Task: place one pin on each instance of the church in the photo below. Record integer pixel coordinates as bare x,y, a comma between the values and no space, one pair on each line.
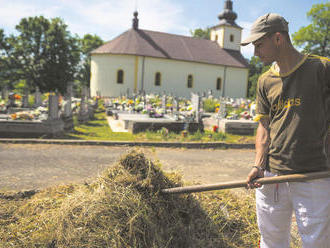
156,62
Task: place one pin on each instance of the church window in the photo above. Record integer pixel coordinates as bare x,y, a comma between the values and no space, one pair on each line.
190,81
120,77
231,38
158,79
218,86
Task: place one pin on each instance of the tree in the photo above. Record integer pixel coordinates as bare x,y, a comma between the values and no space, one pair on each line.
315,38
256,69
201,33
8,72
43,53
87,44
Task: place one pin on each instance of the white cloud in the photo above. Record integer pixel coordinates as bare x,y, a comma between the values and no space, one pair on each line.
104,18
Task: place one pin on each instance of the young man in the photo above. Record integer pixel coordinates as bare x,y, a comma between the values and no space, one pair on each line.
293,108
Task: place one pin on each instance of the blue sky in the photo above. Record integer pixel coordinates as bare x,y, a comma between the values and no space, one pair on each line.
109,18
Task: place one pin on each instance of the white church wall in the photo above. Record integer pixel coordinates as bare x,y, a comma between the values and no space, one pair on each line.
236,82
104,74
235,43
174,76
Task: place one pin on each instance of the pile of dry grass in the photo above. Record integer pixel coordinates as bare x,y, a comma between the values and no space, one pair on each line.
124,208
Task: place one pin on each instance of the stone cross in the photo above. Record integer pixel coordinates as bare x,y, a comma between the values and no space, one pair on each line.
53,107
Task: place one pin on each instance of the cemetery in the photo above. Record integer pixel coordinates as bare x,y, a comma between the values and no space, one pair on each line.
144,112
51,115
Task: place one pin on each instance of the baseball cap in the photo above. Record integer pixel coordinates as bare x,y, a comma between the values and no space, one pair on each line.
266,24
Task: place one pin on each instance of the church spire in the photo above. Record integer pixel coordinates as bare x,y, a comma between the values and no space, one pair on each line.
228,15
135,20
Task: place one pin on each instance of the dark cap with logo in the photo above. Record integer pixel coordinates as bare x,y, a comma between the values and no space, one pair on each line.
269,23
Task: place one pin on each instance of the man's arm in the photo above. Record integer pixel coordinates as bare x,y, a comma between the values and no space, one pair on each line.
262,147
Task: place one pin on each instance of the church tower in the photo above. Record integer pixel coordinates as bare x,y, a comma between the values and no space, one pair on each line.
227,33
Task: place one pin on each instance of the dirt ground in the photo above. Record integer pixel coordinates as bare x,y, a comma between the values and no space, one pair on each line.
35,166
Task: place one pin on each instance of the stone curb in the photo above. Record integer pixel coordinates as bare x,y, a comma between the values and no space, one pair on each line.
195,145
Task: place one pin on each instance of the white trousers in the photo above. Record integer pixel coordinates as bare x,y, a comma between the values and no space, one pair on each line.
310,201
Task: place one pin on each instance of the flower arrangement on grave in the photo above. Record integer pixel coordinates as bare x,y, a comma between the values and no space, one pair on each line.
17,97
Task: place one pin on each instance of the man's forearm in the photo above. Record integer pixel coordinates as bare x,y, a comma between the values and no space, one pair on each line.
262,143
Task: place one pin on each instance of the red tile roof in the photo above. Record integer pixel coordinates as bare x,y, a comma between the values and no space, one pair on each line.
163,45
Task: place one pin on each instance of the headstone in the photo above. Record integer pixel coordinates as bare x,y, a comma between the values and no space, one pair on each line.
67,104
175,105
25,99
195,100
88,92
11,100
127,93
37,98
83,111
222,109
4,92
53,107
164,103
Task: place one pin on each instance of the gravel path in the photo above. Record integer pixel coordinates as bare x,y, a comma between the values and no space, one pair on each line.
35,166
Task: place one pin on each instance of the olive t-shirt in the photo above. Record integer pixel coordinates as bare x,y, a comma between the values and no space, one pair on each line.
298,105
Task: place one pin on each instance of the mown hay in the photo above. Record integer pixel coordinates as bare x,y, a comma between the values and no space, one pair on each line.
124,208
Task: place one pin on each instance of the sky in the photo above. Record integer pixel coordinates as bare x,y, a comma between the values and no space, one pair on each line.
109,18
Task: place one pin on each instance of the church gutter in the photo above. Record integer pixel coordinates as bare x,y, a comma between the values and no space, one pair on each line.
224,81
136,73
142,74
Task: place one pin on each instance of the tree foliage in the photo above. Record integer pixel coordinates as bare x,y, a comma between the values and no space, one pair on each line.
315,38
256,69
201,33
87,44
44,54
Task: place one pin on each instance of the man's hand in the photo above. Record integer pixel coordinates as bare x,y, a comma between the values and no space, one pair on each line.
253,175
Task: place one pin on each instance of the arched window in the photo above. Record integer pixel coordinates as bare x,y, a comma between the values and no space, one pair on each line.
190,81
120,77
219,84
231,38
158,79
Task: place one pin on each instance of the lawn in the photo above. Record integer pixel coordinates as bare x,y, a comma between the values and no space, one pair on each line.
98,129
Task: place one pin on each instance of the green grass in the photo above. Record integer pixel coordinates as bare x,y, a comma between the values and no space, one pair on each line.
98,129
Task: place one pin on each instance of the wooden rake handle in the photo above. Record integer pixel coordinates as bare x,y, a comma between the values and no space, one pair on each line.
240,184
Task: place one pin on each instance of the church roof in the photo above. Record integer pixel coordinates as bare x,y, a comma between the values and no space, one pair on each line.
163,45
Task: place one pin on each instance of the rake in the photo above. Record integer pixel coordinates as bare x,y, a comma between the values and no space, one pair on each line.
240,184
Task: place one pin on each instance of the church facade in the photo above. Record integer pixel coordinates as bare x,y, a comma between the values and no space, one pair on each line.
156,62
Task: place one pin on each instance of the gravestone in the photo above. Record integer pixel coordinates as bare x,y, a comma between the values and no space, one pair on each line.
37,98
210,94
83,111
25,99
164,100
53,107
4,92
67,105
195,101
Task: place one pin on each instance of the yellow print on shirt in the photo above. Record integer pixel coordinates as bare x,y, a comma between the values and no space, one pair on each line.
288,103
